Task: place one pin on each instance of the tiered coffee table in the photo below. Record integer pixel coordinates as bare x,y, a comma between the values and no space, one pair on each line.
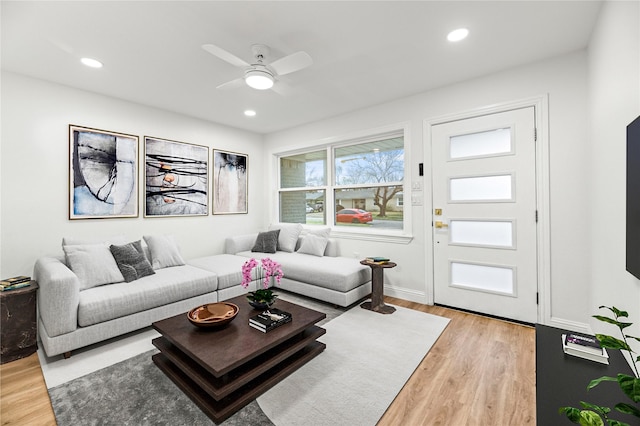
223,370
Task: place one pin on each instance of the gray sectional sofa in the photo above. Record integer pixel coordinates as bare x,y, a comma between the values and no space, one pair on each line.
87,295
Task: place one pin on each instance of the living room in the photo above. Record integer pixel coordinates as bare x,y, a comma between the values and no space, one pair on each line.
589,96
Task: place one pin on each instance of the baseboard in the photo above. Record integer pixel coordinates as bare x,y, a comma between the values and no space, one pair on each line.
406,294
566,324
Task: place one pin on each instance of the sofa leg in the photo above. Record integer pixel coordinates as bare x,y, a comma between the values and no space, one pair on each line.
67,355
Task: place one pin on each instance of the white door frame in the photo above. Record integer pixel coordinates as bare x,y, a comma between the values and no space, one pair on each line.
541,111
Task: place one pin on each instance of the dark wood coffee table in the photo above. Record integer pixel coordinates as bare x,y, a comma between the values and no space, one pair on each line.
223,370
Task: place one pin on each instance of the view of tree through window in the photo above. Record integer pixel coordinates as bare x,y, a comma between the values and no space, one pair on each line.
366,186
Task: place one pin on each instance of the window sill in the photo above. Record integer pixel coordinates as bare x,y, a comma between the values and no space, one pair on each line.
393,238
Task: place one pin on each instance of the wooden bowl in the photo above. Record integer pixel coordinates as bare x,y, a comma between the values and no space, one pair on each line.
213,315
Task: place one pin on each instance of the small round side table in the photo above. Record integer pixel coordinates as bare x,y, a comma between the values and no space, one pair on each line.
377,288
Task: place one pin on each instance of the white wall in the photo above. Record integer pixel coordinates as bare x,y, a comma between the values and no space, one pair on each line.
564,79
35,163
614,89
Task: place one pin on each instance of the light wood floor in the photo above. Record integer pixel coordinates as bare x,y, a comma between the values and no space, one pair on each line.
481,371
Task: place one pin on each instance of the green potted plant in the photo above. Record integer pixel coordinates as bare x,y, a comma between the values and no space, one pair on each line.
596,415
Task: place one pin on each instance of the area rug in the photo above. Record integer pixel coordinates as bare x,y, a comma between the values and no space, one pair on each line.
368,359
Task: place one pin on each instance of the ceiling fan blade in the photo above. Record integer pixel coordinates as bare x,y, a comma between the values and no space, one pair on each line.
224,55
294,62
238,82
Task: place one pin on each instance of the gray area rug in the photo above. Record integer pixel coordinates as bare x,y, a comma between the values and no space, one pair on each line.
368,359
136,392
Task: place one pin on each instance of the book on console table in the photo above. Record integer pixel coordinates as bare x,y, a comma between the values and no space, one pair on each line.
270,319
377,260
583,347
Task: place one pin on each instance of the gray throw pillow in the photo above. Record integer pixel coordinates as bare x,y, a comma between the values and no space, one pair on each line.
266,242
131,261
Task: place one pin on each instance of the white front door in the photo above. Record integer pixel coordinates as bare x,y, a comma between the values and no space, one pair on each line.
484,217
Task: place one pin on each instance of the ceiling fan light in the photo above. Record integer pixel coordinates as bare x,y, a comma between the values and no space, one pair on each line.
258,79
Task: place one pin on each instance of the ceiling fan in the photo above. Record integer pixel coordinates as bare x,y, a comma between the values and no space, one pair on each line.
259,74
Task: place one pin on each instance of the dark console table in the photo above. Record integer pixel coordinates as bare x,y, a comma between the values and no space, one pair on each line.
561,380
18,323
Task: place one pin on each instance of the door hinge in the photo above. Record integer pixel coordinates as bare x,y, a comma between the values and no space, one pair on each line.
537,298
535,134
536,216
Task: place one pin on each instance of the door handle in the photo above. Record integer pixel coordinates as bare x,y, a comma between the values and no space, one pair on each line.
439,224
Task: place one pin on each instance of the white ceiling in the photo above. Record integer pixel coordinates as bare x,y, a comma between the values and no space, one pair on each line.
364,52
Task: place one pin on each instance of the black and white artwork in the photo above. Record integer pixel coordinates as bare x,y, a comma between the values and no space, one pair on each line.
176,178
230,183
103,174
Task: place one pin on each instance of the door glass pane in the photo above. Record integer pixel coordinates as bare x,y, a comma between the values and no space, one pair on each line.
303,170
493,279
484,188
482,144
481,233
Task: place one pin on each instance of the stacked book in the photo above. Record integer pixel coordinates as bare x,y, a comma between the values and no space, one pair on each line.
14,283
583,346
376,260
268,320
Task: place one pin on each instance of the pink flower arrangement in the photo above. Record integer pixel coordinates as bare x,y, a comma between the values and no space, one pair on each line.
269,267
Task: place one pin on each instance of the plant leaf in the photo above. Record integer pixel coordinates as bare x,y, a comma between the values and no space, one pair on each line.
572,413
589,418
621,325
613,422
630,386
595,382
611,342
633,337
625,408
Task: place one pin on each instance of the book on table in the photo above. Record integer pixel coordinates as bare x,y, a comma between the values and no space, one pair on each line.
270,319
377,260
14,283
571,346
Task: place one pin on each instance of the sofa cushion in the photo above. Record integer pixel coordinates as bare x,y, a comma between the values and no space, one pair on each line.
335,273
164,251
168,285
288,236
93,264
131,261
227,267
266,242
313,244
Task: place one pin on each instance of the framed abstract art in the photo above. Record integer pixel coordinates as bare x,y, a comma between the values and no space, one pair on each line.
230,182
103,174
176,178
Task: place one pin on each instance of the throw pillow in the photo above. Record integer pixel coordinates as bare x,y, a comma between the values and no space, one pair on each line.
131,261
288,237
164,251
267,242
93,264
313,244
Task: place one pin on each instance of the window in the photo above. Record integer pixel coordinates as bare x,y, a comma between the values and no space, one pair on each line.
356,184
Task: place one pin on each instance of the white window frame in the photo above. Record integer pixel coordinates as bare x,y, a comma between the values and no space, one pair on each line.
402,235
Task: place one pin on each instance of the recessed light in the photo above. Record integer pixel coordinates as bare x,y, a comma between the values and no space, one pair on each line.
250,113
90,62
457,35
